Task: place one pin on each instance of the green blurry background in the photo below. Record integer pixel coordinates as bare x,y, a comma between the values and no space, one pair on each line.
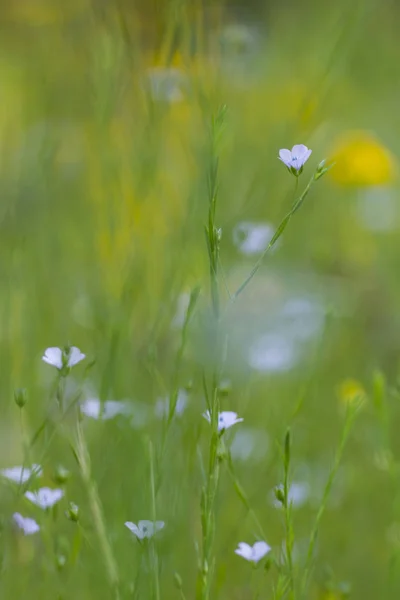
104,117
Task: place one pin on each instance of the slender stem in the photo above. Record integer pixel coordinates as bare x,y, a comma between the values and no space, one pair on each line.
209,492
243,497
97,511
282,226
288,526
351,412
154,517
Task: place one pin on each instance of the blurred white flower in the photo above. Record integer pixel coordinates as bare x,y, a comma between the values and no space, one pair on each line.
295,158
272,352
225,419
144,529
253,553
45,497
59,358
21,474
249,444
252,238
167,84
161,408
377,209
181,310
92,407
27,525
303,316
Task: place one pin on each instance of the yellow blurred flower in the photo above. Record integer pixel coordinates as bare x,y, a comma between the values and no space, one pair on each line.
351,391
362,160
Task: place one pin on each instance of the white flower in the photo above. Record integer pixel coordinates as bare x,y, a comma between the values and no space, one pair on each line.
272,352
296,158
252,238
55,357
45,497
253,553
249,444
167,84
144,529
21,474
27,525
161,408
92,407
225,419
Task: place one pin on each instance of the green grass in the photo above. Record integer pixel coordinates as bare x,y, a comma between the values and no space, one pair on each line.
111,202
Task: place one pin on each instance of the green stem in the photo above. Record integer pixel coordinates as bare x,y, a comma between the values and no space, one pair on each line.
350,414
83,457
282,226
154,517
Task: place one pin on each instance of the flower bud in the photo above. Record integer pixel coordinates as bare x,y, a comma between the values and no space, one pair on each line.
73,512
21,397
61,475
279,495
61,561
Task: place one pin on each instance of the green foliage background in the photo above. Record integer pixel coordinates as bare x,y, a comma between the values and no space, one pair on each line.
103,202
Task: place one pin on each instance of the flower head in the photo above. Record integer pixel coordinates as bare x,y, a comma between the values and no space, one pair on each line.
45,497
225,419
63,358
253,553
362,160
144,529
21,474
27,525
296,158
95,409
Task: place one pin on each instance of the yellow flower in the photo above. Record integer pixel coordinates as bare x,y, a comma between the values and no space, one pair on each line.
362,160
351,391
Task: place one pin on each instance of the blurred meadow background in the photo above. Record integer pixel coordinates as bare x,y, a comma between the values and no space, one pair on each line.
105,152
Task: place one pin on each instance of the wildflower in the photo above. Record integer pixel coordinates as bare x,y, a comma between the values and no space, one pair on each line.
28,526
252,238
145,529
167,84
21,474
92,407
362,160
45,497
350,391
253,553
273,352
296,158
249,444
225,419
63,358
162,406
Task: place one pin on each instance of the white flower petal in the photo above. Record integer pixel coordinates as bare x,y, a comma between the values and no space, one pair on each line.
21,474
285,155
27,525
253,553
145,529
134,529
260,549
227,419
45,497
53,356
75,356
299,151
244,550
